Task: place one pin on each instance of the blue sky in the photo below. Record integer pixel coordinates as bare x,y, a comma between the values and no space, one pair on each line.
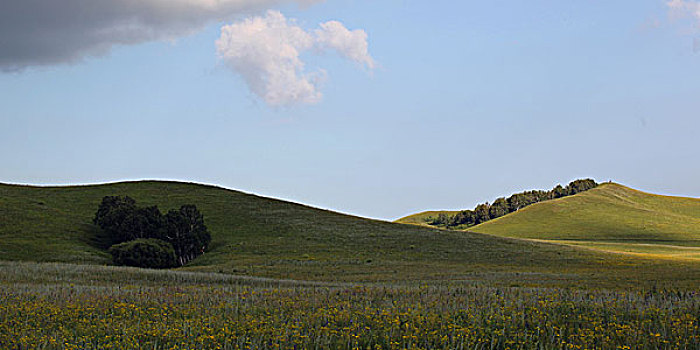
468,101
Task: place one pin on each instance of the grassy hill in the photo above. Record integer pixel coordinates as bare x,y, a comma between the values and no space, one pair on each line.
422,218
610,217
264,237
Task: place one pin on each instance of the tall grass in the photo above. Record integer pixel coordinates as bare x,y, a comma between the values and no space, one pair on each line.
60,307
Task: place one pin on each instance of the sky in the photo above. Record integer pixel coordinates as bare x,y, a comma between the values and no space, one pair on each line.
372,108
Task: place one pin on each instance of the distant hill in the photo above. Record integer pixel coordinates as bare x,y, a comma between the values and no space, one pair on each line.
264,237
501,206
423,217
610,217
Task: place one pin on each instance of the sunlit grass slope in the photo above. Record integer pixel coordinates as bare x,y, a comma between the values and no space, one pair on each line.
264,237
422,217
610,217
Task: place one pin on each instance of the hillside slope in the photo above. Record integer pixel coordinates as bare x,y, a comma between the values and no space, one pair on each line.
422,218
259,236
610,217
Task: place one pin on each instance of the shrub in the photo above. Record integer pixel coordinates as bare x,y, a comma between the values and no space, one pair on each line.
150,253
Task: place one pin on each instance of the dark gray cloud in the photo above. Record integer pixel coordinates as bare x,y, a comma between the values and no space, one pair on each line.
47,32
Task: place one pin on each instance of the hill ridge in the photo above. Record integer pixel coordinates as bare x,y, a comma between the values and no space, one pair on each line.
612,216
501,206
265,237
418,218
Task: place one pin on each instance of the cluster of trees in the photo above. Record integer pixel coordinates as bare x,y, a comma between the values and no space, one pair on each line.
502,206
144,237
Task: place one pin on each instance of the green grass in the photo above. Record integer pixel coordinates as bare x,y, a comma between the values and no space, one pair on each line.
263,237
651,250
422,218
610,217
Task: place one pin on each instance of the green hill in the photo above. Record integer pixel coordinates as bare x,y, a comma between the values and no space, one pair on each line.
610,217
265,237
422,218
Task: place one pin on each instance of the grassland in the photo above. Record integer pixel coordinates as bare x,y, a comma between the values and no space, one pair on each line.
280,275
263,237
612,218
64,306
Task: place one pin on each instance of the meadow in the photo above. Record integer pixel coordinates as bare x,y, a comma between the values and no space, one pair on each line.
281,275
63,306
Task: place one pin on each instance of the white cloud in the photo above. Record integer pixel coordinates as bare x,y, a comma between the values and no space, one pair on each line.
682,8
350,44
46,32
265,52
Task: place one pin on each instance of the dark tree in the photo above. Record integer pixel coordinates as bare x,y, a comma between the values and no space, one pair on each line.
482,213
516,201
464,217
186,231
498,208
558,192
469,217
528,198
111,204
578,186
441,220
141,223
541,195
455,220
111,214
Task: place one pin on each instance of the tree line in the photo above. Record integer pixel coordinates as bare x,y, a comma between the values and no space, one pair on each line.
144,237
502,206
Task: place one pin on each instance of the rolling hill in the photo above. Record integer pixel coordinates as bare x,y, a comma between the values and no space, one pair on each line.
264,237
610,217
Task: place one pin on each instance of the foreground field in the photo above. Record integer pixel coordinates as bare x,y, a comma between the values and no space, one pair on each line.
58,306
